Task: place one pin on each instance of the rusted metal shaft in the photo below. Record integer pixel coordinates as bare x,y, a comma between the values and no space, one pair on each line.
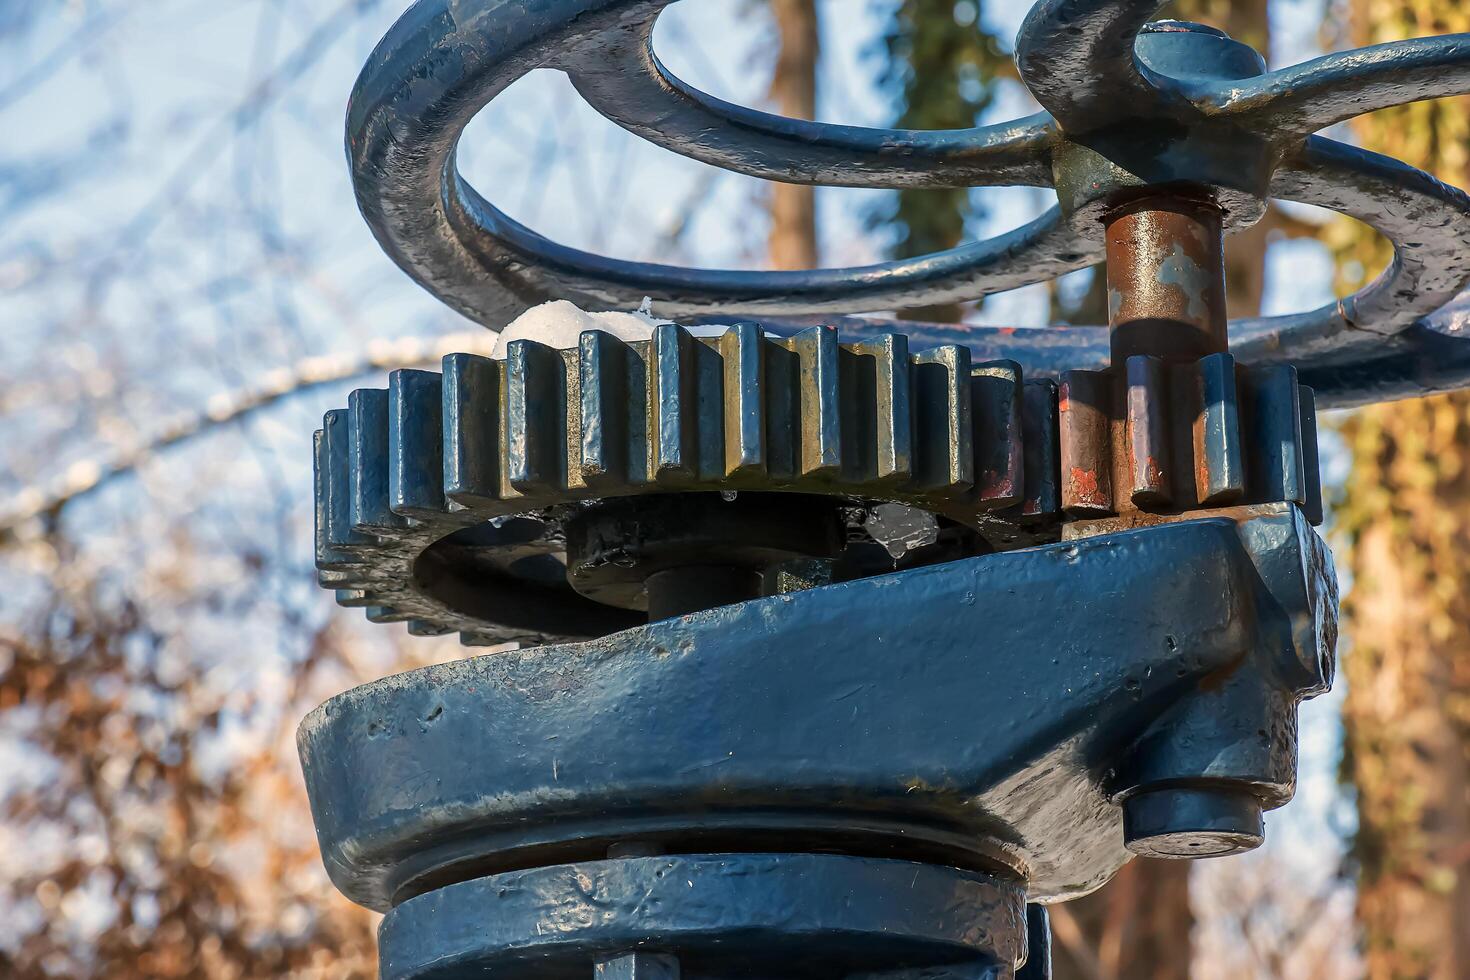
1166,278
1153,431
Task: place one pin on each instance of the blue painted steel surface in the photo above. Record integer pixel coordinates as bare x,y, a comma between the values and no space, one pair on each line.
939,714
724,915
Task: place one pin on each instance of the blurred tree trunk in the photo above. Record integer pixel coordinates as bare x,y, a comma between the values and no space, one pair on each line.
793,242
942,62
1138,926
1406,512
1134,928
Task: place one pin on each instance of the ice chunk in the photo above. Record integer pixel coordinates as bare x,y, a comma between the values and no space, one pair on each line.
560,323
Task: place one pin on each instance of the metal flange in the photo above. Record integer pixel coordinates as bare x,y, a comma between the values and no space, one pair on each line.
688,917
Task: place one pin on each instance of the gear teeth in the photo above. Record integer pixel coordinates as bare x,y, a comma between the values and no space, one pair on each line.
892,416
742,350
741,410
673,394
328,559
384,614
535,422
876,421
471,429
709,413
995,410
367,439
1041,499
1173,438
1273,409
400,469
420,627
819,428
1084,410
783,411
415,445
337,452
940,380
1312,506
1218,472
1146,431
600,429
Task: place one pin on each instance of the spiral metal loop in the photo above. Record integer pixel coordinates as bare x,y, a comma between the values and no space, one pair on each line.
445,59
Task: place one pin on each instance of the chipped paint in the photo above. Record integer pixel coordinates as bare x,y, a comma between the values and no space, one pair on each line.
1184,273
1085,485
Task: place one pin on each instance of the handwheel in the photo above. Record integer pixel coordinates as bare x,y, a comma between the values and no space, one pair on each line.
1130,102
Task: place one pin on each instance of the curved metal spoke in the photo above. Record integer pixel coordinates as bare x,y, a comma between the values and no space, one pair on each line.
1424,359
1302,99
627,84
1076,57
1428,223
519,268
490,268
1427,220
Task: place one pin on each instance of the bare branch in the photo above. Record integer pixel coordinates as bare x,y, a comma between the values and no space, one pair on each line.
1068,932
87,476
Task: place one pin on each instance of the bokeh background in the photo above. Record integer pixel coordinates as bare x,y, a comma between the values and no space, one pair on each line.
185,286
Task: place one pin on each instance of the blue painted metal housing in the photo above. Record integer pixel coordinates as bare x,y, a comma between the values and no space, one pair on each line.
916,723
939,713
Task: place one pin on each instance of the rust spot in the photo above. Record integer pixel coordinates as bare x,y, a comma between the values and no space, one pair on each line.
996,484
1153,473
1215,679
1084,484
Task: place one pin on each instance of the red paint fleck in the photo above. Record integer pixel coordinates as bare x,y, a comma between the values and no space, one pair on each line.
1084,484
996,485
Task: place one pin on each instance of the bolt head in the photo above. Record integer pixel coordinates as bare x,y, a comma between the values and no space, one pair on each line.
1192,823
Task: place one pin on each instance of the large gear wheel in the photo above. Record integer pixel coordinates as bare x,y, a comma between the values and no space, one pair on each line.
486,500
445,499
